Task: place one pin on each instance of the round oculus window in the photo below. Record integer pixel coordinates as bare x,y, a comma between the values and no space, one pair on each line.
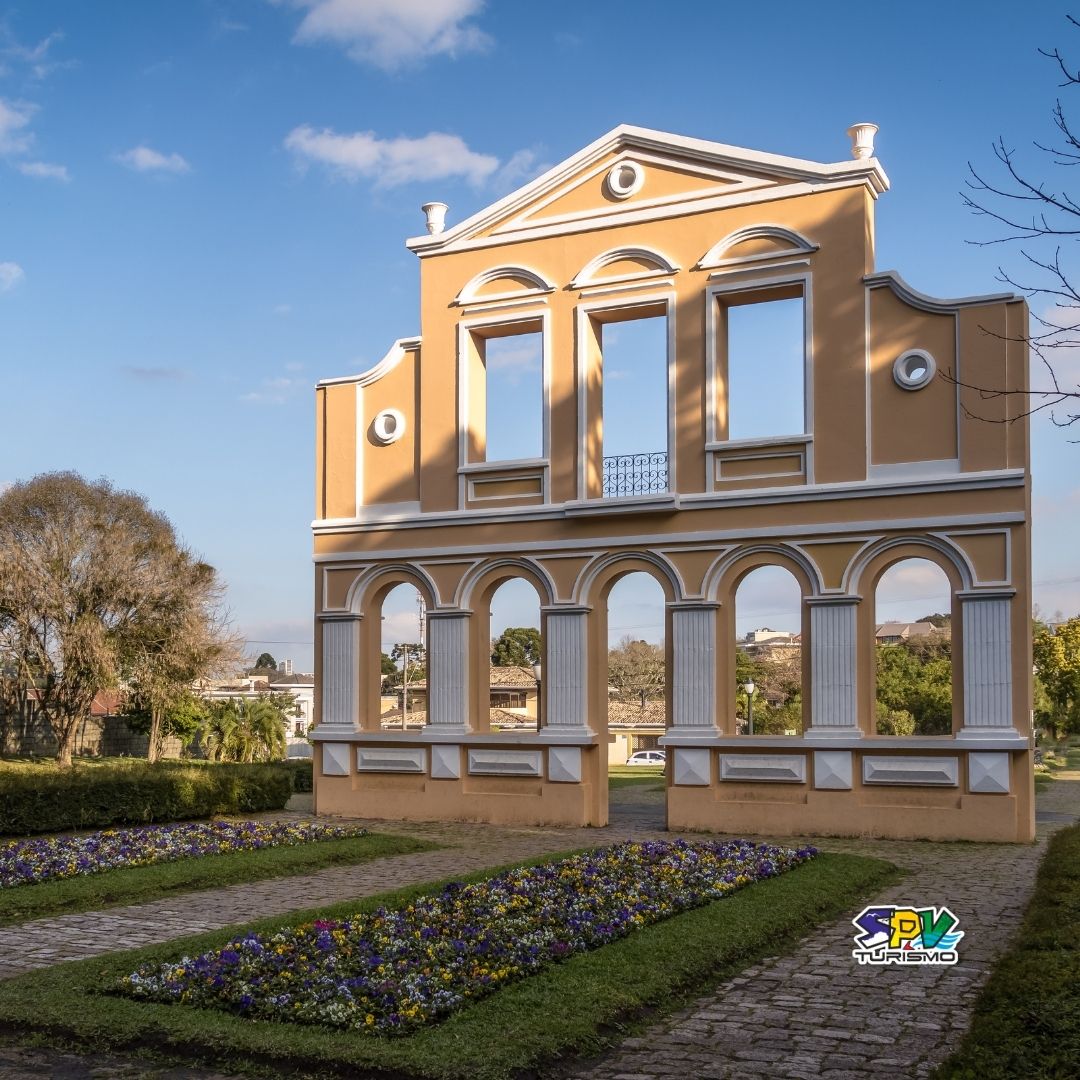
913,369
388,426
625,178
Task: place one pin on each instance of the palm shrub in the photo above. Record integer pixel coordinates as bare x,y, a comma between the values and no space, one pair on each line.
246,729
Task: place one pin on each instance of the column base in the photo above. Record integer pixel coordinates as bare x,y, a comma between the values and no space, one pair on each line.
826,733
998,734
559,733
690,736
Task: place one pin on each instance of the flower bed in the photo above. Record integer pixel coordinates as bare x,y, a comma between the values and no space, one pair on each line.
391,971
28,862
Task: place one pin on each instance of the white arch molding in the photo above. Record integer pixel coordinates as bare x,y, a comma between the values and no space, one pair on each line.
464,595
796,244
583,586
588,274
538,285
723,563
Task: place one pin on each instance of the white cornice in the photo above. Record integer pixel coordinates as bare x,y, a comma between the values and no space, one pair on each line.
890,279
387,363
864,489
815,175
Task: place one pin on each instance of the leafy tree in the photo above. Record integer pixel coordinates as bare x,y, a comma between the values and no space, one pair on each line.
894,721
409,660
183,719
388,665
916,678
1057,663
87,575
937,619
266,662
187,641
636,669
517,645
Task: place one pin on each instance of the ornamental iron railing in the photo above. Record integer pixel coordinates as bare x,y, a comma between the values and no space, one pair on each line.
635,474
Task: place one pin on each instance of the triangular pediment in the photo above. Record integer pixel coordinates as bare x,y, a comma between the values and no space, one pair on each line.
634,173
659,180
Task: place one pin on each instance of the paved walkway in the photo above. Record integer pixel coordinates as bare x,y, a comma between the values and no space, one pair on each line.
812,1013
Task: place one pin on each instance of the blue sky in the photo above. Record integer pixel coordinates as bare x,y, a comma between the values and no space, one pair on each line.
202,210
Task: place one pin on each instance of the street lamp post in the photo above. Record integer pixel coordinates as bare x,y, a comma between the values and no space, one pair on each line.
748,686
537,672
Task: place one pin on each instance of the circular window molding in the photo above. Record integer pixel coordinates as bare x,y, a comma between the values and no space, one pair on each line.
388,426
625,178
913,369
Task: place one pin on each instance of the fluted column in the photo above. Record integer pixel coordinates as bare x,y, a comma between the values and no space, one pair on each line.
834,711
564,682
340,672
448,670
987,664
693,674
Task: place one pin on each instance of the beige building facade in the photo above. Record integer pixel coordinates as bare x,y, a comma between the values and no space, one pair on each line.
888,464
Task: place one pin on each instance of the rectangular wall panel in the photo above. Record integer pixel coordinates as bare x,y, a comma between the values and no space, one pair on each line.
341,673
693,650
987,663
565,675
833,702
448,671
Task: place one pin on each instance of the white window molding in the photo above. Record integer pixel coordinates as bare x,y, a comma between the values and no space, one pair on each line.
913,369
466,329
388,426
714,294
582,314
624,178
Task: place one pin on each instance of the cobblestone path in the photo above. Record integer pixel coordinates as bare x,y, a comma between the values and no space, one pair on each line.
811,1013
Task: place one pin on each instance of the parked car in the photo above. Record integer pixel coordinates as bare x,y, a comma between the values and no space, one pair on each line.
647,757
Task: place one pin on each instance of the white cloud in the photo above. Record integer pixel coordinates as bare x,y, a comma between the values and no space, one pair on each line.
10,275
155,374
43,170
34,59
277,390
14,122
391,34
523,166
390,162
145,159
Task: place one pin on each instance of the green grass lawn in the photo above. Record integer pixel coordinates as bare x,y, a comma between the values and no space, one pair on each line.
138,884
1027,1017
1056,760
651,776
577,1007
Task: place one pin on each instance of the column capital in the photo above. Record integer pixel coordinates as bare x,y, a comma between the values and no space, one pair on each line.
693,605
564,609
985,594
833,599
339,616
449,613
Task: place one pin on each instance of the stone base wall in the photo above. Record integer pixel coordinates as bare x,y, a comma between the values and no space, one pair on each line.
97,736
411,781
949,794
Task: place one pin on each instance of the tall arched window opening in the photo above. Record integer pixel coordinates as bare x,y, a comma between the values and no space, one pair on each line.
637,675
403,648
913,650
769,698
516,672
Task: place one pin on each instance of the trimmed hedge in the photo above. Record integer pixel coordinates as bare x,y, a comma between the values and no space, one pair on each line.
302,770
45,799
